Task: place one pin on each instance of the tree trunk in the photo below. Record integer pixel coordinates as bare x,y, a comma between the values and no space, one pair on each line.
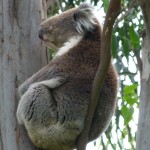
143,134
21,55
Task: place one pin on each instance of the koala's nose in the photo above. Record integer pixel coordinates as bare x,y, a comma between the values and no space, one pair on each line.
40,33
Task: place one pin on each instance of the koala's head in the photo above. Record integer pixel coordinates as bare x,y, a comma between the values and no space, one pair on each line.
57,30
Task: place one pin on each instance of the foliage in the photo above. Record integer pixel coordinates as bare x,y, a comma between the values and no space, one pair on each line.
126,45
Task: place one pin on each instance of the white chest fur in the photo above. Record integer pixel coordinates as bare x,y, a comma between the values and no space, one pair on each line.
72,42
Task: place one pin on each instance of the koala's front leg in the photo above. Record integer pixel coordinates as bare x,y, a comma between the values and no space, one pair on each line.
37,107
49,76
37,111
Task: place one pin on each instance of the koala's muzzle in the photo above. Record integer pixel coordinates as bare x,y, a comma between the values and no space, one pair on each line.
40,33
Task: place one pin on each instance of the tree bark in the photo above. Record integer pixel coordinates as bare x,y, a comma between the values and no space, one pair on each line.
21,55
143,134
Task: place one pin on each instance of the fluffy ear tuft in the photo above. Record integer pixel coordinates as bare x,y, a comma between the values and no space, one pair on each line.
84,17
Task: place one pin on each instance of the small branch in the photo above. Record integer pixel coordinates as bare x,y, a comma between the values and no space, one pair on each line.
103,144
145,11
49,3
45,4
43,10
112,14
59,3
139,60
130,136
129,11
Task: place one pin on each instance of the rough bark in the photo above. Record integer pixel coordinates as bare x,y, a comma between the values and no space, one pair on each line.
21,55
143,135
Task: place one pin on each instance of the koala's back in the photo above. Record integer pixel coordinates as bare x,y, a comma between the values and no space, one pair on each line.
73,97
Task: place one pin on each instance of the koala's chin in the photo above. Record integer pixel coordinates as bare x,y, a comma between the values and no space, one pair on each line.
54,101
50,45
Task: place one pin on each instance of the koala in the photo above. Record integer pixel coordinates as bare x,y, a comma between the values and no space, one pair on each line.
54,101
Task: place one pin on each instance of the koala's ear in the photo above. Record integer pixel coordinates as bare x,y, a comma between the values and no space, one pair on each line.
84,17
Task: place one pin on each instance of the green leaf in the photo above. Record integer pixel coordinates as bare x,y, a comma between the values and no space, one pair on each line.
130,98
134,37
114,46
130,95
127,114
124,41
51,53
130,88
106,4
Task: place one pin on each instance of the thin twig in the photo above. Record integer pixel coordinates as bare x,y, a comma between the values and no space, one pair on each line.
130,9
43,10
59,3
112,13
49,3
139,60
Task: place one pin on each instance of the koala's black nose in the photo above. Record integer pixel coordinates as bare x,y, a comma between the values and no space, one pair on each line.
40,33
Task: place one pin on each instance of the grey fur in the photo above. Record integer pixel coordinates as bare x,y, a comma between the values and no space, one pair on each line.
54,101
85,18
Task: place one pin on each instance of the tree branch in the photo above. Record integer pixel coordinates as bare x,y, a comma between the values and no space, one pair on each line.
129,11
49,3
139,60
43,10
59,3
112,13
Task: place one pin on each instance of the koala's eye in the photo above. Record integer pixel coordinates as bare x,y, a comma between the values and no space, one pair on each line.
50,27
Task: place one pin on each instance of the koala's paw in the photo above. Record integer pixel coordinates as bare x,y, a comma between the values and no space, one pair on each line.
37,107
